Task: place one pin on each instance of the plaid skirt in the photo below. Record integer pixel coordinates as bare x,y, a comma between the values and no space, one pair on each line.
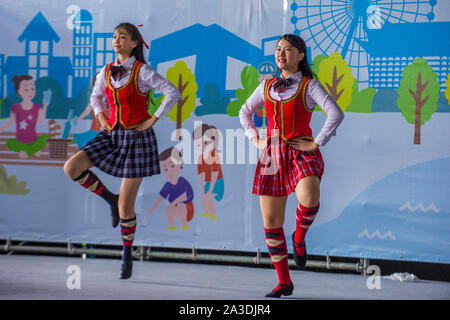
281,167
125,153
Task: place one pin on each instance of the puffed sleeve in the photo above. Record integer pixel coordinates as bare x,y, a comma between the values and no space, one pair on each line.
149,78
250,106
316,94
97,98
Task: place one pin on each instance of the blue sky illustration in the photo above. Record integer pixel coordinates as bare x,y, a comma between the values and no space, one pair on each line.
402,216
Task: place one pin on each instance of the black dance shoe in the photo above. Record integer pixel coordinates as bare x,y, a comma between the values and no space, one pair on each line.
284,290
126,270
300,261
115,214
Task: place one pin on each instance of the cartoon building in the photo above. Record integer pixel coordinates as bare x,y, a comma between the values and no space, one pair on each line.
82,51
2,73
38,60
90,52
216,52
103,52
390,51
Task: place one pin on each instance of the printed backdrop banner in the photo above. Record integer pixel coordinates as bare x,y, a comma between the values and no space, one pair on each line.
385,192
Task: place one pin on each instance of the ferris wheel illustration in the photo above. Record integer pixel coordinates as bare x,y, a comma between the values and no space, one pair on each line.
337,25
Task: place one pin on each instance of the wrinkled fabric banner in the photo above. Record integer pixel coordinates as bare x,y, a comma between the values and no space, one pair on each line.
385,190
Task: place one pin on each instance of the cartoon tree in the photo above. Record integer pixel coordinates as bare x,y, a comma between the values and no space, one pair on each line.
249,80
212,102
183,78
418,94
153,102
337,78
315,65
447,91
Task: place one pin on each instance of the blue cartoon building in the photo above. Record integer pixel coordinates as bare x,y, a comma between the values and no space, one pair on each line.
90,52
103,52
390,51
82,51
216,50
38,60
2,73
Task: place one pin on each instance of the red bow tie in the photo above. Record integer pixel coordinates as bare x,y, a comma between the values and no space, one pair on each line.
281,84
117,72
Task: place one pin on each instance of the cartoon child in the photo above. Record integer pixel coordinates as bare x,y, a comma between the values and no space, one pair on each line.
206,139
177,190
26,114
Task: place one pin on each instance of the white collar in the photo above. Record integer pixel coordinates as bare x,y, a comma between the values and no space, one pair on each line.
296,76
127,64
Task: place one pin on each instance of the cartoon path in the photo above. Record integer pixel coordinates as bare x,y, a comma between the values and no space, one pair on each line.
26,277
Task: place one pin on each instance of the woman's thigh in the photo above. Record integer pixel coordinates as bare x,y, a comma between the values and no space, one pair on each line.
272,209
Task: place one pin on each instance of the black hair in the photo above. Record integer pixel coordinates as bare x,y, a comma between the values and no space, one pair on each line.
300,44
132,30
18,79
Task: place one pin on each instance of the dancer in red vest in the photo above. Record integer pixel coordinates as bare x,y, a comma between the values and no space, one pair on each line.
291,161
127,147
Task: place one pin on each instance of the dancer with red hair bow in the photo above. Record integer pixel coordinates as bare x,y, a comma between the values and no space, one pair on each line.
291,161
127,147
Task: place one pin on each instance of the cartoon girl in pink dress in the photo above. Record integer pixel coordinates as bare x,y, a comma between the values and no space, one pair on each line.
25,115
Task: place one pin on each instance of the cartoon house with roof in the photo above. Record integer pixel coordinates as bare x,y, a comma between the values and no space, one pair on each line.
216,51
90,52
38,60
390,51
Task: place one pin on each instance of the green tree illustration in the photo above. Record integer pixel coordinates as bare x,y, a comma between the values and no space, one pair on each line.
10,185
418,94
361,101
212,102
183,78
337,78
315,65
154,102
249,80
447,91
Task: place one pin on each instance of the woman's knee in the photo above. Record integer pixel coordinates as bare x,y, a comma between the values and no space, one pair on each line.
71,170
308,191
76,165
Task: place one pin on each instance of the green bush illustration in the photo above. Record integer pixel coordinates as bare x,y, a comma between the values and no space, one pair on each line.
249,80
10,185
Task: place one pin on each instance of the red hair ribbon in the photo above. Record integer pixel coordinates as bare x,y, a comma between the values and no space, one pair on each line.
143,41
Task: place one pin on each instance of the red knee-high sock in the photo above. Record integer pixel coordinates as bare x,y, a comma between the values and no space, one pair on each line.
90,181
305,217
127,230
276,243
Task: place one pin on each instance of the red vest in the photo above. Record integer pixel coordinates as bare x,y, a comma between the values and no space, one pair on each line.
290,117
128,104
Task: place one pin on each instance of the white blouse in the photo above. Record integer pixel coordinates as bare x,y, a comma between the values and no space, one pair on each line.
315,94
147,78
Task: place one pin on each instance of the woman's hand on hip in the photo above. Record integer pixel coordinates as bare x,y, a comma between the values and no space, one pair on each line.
103,121
303,145
144,125
259,143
